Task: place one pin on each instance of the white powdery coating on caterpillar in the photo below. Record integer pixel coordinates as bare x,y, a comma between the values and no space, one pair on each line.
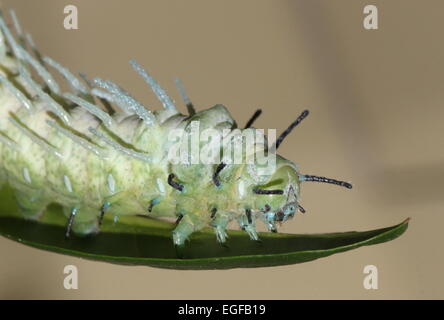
36,139
127,124
26,175
160,185
111,183
241,189
67,183
82,120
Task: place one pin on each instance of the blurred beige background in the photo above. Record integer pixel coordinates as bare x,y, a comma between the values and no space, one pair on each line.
376,101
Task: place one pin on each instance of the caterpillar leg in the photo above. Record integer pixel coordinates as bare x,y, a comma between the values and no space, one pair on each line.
220,223
251,230
269,220
32,203
81,221
183,230
248,225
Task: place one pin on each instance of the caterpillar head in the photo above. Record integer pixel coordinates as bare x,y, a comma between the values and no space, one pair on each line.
278,200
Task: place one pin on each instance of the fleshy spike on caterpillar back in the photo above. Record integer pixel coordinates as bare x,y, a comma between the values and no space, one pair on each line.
64,147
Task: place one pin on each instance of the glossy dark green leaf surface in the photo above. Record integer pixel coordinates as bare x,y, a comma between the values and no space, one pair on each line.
143,241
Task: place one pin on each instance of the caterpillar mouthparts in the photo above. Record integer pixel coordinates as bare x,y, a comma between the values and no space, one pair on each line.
98,151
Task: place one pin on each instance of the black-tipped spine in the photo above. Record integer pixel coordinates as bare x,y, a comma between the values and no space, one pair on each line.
253,118
308,177
190,108
301,209
262,191
219,168
173,183
290,128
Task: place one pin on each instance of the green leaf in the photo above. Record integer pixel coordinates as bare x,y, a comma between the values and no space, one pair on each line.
143,241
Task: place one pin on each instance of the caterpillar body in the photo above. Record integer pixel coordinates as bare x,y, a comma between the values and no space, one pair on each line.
95,159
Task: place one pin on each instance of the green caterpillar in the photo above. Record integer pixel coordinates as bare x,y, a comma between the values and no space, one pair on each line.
76,149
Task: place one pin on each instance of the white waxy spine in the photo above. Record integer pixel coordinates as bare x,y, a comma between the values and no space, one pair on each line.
72,80
17,93
111,183
158,91
106,119
68,184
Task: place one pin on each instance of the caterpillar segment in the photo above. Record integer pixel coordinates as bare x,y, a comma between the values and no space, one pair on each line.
111,158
